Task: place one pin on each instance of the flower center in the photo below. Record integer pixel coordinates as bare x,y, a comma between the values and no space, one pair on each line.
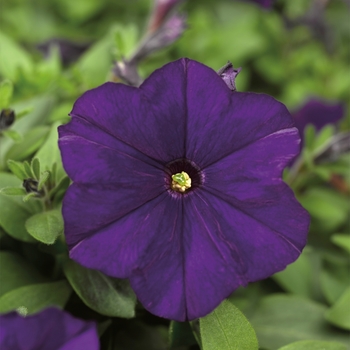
181,182
182,176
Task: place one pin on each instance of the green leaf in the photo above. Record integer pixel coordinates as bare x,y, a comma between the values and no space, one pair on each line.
44,177
46,226
14,212
32,140
13,191
180,334
12,58
339,313
226,328
35,164
17,169
36,297
16,272
282,319
28,170
297,277
342,241
309,136
6,91
49,153
323,138
13,135
106,295
314,345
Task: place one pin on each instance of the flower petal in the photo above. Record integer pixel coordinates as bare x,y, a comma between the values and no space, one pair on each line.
87,209
88,162
248,118
126,114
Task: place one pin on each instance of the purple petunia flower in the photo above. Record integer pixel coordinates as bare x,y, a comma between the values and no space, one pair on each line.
318,113
51,329
177,186
264,3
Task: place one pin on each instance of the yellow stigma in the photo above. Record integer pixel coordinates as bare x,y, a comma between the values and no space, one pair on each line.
181,182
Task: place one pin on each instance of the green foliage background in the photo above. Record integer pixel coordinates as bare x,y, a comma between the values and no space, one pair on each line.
308,303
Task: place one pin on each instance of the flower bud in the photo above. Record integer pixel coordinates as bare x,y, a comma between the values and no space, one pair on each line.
228,74
31,186
7,117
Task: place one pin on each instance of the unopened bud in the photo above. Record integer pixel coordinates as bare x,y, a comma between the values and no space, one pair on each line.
31,186
229,74
7,117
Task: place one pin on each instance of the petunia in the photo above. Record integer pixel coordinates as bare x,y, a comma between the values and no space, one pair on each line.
51,329
319,113
264,3
177,187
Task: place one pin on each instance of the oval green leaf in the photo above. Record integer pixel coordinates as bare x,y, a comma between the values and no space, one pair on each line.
46,226
339,313
36,297
106,295
226,328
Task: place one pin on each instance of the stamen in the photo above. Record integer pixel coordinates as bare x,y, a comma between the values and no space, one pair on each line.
180,182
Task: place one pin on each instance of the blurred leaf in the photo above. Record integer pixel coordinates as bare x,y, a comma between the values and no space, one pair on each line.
16,272
227,328
43,179
6,91
13,191
342,241
32,140
36,297
106,295
334,280
330,208
314,345
45,226
180,334
37,116
17,168
283,319
12,58
14,212
297,277
96,63
13,135
35,164
323,137
49,153
339,313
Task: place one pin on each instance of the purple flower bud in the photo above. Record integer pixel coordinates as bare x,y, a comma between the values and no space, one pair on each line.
162,8
228,74
169,32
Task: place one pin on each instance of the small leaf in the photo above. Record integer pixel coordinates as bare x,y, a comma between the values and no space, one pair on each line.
14,212
17,169
28,170
339,314
13,135
6,91
13,191
46,226
323,138
226,328
44,177
36,297
61,187
314,345
36,168
24,112
342,241
106,295
29,196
